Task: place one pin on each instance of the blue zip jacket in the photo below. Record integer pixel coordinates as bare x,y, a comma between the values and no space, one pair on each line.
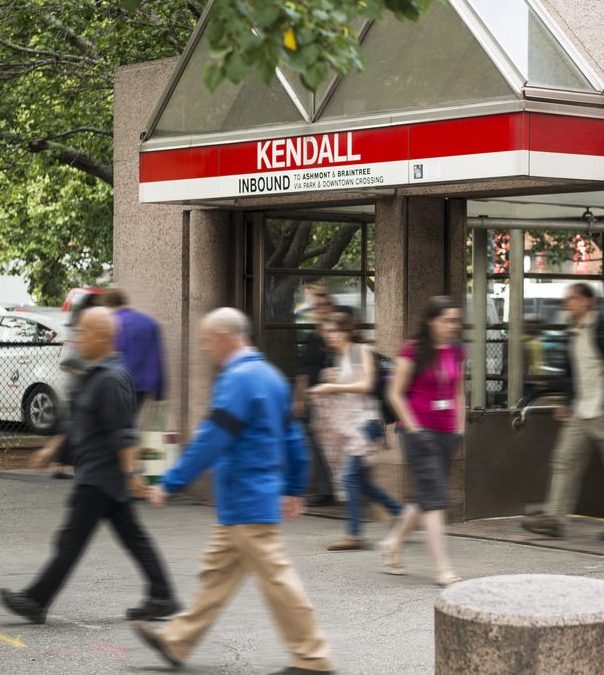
256,449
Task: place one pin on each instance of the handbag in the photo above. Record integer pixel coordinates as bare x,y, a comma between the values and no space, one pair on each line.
373,430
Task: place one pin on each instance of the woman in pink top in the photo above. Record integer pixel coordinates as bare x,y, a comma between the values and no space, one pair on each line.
427,393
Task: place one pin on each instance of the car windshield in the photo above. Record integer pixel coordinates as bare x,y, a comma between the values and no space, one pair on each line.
21,330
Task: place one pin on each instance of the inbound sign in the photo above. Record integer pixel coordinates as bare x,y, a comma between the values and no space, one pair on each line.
472,148
342,160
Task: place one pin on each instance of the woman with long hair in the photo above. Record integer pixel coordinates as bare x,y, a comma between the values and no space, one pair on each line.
427,393
354,422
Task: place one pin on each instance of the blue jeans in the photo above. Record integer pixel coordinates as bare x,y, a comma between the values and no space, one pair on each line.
357,482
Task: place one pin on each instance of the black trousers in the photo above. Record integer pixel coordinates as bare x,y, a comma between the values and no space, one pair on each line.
88,507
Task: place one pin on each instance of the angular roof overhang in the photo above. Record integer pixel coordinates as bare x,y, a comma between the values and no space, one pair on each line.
535,131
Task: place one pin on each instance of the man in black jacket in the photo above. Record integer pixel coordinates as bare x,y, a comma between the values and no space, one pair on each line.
101,433
583,415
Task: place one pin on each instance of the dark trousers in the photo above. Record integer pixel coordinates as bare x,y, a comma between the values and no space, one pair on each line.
357,481
322,482
88,506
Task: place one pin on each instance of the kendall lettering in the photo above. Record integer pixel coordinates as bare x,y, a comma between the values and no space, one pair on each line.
291,153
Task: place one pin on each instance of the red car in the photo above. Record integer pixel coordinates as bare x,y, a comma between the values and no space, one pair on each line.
75,295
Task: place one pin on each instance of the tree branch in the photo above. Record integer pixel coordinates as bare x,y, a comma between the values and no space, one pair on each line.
80,130
315,253
64,154
336,247
71,58
80,43
275,259
194,8
298,245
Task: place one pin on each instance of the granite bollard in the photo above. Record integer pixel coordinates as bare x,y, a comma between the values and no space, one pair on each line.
525,624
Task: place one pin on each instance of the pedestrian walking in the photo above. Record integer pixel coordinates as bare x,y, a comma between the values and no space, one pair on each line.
316,357
101,435
138,340
583,415
356,425
73,365
259,459
427,394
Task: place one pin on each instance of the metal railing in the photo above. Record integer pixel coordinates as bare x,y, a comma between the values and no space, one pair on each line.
32,391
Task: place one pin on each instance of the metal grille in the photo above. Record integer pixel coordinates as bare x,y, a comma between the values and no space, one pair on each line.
32,393
543,363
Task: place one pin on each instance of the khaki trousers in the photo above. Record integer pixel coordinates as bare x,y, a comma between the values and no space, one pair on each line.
569,461
234,552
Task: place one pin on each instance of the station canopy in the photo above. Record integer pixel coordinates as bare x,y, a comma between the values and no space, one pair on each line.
476,90
462,54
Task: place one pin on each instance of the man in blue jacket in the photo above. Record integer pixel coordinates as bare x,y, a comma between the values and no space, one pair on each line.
259,459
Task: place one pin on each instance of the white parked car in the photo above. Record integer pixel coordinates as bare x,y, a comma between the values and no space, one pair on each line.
32,386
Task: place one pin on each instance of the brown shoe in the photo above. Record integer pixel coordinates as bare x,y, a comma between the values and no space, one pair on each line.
548,526
348,544
152,638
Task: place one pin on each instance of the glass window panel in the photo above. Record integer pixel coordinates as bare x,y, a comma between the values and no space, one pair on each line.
371,246
192,108
308,245
304,95
563,253
288,298
284,347
358,26
529,44
20,330
431,63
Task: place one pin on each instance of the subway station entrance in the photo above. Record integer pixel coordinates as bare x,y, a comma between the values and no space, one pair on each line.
467,159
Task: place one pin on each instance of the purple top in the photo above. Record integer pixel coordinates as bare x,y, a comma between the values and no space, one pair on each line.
432,393
139,341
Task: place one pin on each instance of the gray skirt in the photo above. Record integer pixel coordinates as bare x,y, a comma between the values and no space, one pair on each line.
429,455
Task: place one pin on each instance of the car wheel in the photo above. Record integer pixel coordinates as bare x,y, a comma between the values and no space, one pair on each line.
40,410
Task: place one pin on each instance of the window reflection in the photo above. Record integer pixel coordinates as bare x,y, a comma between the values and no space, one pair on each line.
302,257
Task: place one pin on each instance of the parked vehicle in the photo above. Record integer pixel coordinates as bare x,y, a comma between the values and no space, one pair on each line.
32,386
75,295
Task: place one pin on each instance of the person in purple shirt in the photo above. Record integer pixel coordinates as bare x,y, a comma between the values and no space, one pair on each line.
139,342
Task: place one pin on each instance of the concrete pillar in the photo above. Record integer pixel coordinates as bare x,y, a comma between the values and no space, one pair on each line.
426,255
211,286
175,263
456,234
390,268
525,624
149,241
420,252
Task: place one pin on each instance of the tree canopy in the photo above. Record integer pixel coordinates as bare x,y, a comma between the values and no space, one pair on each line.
57,62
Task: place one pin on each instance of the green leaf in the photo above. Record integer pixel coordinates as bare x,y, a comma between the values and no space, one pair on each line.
235,68
213,76
313,76
267,16
130,5
267,72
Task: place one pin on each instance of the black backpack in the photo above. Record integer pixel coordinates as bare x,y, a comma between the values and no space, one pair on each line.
383,373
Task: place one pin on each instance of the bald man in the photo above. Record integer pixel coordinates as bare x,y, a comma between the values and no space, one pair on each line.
101,434
260,462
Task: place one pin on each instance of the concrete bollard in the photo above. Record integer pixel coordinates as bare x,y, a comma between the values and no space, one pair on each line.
525,624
